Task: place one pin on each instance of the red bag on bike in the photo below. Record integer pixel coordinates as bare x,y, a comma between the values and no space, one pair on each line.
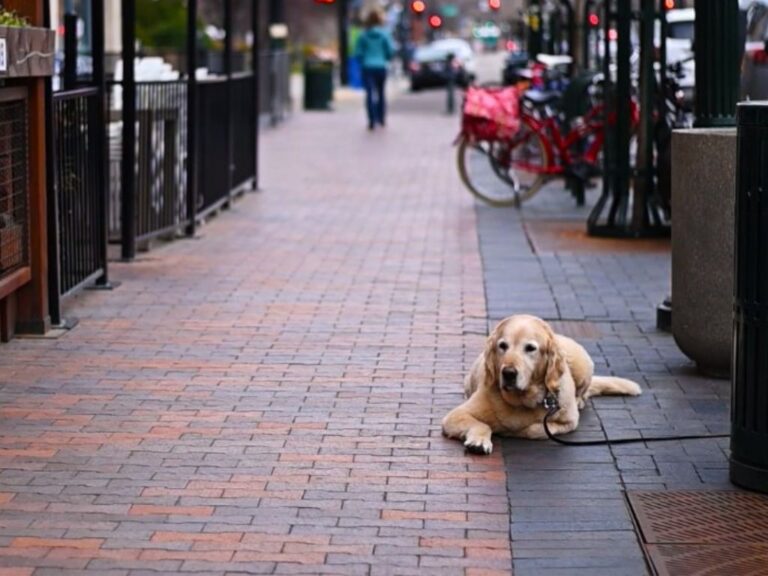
490,113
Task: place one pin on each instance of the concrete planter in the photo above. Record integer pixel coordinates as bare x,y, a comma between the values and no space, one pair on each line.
703,195
26,52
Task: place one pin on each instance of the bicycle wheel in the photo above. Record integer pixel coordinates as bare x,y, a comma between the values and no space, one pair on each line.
504,173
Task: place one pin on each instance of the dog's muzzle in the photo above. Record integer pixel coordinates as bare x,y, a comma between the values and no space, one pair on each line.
509,378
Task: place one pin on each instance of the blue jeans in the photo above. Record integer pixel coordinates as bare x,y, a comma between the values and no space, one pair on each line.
374,80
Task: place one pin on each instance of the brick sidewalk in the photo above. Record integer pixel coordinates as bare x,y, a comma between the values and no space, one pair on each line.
267,398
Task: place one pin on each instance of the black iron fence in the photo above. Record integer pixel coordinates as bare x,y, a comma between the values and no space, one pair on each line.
227,150
161,152
243,113
226,141
79,211
214,179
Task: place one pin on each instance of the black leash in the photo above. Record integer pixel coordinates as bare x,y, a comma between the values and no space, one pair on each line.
552,406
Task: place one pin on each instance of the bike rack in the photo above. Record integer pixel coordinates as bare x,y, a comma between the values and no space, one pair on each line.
629,206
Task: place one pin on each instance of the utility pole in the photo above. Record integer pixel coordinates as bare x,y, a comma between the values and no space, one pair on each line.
343,28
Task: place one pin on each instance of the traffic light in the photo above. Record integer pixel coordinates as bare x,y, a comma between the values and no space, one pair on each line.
594,20
325,1
669,4
494,4
418,6
435,21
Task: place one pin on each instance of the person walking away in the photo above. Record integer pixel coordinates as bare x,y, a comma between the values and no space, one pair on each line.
374,49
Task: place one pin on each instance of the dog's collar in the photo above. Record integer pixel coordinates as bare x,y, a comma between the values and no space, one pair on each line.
550,402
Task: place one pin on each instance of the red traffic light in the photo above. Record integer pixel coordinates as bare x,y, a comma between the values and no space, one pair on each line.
594,20
435,21
494,4
669,4
418,6
325,1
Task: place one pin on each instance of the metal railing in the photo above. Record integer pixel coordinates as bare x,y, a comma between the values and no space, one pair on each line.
243,113
79,195
161,153
213,121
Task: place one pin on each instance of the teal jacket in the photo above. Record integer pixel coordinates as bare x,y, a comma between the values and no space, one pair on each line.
374,48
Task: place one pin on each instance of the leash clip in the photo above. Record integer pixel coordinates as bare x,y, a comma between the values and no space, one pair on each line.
550,402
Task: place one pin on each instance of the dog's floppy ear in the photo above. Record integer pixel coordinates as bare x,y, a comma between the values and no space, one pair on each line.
555,367
491,362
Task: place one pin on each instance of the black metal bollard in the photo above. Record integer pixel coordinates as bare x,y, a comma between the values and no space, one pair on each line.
749,372
451,84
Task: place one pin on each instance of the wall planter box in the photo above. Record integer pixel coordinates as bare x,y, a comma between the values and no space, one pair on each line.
26,52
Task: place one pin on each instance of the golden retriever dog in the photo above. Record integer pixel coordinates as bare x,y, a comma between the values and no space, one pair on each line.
525,363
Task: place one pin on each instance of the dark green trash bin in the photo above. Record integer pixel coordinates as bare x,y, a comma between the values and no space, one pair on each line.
749,402
318,84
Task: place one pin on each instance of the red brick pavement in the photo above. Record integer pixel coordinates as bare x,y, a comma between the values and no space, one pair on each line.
267,398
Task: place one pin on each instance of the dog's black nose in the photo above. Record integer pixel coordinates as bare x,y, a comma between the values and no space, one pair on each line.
509,375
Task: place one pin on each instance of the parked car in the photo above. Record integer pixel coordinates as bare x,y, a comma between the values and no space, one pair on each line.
429,66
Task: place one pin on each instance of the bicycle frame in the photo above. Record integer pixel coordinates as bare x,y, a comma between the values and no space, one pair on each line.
558,146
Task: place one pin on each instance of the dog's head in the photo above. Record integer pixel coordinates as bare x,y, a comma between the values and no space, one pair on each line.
523,360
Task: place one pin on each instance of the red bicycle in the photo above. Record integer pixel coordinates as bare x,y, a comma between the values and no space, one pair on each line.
509,170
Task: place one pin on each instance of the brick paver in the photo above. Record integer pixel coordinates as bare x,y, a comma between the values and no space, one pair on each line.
267,398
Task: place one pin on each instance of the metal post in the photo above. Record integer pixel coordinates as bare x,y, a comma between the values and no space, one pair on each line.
275,17
192,115
587,34
717,63
534,28
451,84
70,51
52,199
570,18
749,372
255,30
554,28
644,182
228,72
128,165
100,130
623,99
343,16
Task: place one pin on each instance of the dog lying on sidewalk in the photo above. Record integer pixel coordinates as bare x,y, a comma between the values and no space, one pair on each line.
523,365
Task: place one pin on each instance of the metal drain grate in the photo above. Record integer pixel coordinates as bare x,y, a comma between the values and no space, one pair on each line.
731,560
698,533
701,517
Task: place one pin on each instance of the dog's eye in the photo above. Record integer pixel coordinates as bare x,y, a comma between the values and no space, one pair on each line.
503,346
529,348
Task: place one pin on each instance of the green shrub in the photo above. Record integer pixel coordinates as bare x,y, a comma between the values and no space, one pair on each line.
9,18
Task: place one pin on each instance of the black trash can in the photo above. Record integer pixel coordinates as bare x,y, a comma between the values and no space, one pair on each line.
749,402
318,84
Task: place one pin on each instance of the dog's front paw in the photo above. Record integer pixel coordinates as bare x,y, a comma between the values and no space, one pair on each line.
477,444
